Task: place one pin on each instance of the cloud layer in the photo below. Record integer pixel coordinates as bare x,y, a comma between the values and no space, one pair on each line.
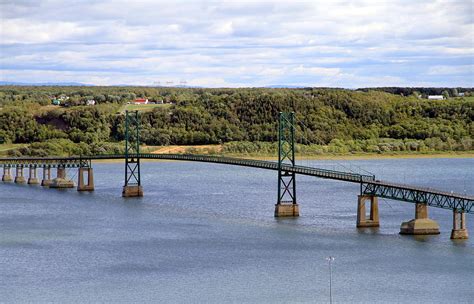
238,43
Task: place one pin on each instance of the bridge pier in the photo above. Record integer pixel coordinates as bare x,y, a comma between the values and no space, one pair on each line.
7,177
421,224
459,231
46,181
132,191
81,186
61,180
19,178
373,220
32,178
287,209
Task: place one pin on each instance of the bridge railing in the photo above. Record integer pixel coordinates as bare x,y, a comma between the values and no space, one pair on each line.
75,161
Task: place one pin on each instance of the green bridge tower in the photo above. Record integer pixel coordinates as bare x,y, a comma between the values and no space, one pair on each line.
286,204
132,186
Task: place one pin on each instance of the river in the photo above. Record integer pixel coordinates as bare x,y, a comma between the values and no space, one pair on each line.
205,233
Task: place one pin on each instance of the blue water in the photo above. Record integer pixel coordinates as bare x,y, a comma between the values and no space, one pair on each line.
205,233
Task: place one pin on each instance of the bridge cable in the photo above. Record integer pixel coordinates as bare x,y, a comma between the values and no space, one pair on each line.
309,143
338,163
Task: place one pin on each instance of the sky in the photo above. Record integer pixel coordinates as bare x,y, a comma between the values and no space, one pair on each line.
346,44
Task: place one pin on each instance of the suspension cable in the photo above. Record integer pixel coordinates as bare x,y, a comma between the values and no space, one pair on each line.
340,164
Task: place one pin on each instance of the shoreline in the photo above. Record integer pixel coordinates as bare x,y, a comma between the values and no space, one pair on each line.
367,156
469,154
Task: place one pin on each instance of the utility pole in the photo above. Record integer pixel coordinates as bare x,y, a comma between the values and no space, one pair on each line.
330,259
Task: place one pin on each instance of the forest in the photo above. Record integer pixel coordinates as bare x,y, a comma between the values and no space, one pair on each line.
243,121
421,91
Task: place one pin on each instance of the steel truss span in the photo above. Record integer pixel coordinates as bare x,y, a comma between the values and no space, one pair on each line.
431,197
369,185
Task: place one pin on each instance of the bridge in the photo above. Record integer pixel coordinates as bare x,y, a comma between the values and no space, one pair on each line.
370,187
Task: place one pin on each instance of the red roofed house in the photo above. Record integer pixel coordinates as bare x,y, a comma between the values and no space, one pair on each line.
141,101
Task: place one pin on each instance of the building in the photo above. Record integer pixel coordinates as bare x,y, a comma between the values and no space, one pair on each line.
141,101
435,97
90,102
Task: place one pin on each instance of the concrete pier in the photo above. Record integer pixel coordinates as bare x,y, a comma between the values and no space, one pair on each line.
132,191
81,186
459,231
7,176
46,181
61,181
421,224
19,178
287,209
32,178
362,220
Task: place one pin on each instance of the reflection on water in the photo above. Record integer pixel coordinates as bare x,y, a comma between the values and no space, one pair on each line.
206,233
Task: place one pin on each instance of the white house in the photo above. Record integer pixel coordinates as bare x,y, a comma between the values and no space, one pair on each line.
90,102
435,97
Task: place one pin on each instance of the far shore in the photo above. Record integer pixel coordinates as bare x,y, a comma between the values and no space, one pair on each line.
362,156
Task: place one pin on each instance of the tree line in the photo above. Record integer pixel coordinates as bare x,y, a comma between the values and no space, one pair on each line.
334,120
422,91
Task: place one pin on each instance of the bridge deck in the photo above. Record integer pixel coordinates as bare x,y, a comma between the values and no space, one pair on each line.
408,193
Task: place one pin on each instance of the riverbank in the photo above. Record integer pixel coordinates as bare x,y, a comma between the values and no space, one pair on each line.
218,151
468,154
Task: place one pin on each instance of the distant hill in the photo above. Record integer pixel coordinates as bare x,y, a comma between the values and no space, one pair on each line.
244,120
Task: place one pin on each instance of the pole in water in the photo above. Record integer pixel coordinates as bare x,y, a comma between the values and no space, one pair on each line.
330,259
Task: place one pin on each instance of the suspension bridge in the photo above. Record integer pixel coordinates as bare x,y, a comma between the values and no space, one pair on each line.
286,206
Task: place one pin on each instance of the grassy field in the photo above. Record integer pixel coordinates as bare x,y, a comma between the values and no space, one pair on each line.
142,107
4,148
195,149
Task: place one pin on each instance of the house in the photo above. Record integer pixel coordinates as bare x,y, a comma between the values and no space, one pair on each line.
90,102
58,100
141,101
435,97
461,94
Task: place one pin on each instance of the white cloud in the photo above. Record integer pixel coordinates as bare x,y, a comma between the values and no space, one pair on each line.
233,43
29,31
317,71
452,70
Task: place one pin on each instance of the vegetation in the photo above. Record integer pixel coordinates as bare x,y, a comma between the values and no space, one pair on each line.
423,92
243,120
142,107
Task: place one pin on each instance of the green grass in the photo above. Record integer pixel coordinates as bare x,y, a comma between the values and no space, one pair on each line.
142,107
4,148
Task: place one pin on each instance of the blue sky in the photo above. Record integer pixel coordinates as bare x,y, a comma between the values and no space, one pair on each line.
239,43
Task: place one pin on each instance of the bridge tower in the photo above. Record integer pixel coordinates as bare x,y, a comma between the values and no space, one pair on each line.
132,186
286,204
